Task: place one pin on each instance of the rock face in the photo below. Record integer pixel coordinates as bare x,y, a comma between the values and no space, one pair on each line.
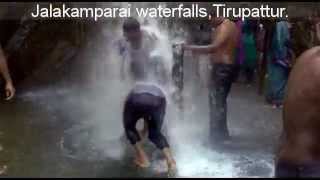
40,46
38,51
45,52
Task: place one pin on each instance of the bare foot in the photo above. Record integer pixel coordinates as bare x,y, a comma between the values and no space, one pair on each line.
172,168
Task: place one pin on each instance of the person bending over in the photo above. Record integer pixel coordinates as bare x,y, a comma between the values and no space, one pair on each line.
146,101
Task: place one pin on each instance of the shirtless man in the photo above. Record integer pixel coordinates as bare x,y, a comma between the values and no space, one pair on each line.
299,151
4,70
222,50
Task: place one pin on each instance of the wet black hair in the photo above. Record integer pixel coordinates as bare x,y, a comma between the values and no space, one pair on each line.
131,24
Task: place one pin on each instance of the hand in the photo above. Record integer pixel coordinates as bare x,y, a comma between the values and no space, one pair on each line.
172,169
10,90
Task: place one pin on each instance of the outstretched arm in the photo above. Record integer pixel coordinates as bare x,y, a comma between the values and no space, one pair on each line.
4,70
220,40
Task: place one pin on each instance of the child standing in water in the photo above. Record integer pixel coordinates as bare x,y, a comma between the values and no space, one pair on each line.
148,102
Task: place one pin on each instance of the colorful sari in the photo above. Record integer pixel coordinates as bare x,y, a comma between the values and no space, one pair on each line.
278,64
250,50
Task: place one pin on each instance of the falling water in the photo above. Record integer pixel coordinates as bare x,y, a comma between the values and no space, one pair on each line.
96,113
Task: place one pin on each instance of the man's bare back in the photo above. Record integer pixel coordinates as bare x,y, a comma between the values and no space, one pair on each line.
226,52
301,114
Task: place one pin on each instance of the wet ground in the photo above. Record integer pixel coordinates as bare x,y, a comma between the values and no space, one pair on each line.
60,132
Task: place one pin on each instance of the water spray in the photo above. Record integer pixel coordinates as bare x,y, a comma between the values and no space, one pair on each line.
177,73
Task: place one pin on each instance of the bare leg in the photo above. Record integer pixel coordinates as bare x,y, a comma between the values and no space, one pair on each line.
141,158
170,161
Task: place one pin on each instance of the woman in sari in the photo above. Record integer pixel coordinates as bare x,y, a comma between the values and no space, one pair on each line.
250,51
278,64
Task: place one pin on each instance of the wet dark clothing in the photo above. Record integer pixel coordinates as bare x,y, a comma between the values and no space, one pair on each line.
147,102
279,58
147,88
286,170
222,78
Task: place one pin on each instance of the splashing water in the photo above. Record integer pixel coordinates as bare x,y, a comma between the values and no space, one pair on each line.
97,134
